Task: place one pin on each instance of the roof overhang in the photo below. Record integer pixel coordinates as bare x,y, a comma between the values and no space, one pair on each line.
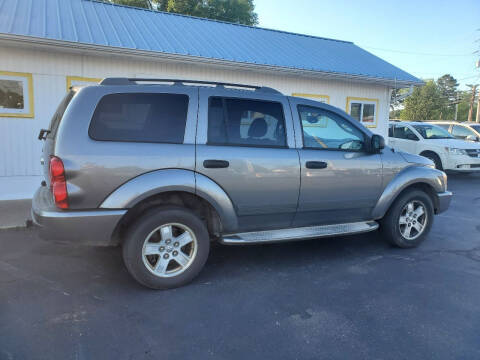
100,50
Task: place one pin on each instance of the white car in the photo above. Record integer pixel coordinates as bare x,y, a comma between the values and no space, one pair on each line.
435,143
469,131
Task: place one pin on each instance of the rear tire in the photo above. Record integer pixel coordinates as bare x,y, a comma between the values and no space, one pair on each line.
166,247
409,219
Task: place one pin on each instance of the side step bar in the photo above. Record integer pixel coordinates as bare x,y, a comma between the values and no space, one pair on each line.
291,234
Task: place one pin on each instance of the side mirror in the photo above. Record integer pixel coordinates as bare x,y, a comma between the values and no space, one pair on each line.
377,143
472,138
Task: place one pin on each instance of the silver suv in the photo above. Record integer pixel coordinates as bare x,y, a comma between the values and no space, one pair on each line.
164,167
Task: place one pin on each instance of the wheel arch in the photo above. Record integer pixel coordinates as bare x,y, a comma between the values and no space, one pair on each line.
174,187
431,181
431,152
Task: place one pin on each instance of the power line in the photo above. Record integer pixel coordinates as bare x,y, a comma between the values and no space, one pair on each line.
415,53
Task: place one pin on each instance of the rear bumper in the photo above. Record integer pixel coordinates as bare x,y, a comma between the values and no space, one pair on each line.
85,227
444,200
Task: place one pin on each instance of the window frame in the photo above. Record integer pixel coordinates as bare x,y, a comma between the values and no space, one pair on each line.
142,141
363,101
71,79
209,143
27,80
365,135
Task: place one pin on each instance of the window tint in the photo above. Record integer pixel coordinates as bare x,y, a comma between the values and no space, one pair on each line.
461,131
140,118
245,122
325,130
403,132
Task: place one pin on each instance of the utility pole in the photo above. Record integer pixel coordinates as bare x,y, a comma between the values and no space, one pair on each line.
477,119
472,101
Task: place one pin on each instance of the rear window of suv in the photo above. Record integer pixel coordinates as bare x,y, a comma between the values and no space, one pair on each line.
140,117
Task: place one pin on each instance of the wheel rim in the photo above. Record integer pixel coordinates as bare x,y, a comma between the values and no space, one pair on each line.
413,220
169,250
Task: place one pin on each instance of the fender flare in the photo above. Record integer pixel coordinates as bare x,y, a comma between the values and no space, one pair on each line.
411,175
156,182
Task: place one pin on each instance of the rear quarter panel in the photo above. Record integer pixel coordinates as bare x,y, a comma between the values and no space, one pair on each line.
94,169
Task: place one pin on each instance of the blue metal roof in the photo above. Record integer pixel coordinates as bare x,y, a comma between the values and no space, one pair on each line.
97,23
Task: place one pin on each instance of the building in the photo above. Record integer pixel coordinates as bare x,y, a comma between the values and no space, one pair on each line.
47,46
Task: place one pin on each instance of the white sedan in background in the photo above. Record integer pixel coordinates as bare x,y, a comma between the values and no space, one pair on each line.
435,143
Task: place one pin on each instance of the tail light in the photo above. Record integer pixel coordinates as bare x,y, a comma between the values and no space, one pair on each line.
58,184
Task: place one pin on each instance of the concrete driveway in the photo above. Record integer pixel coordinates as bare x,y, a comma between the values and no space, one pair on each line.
340,298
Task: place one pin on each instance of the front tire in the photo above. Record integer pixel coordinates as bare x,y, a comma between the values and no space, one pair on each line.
435,158
409,219
166,247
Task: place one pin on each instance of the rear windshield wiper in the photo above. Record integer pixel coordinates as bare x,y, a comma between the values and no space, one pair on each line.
42,135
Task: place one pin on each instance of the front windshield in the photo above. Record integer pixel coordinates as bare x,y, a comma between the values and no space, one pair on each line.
432,131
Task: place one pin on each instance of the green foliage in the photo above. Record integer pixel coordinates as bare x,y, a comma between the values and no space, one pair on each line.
434,101
235,11
137,3
425,103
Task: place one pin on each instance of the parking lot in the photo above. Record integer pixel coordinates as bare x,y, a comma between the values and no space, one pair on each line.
346,297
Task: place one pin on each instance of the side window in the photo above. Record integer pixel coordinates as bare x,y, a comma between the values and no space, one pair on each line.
461,131
325,130
140,117
403,132
390,130
245,122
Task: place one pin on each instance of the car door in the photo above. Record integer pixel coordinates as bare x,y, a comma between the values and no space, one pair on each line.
245,143
340,180
405,139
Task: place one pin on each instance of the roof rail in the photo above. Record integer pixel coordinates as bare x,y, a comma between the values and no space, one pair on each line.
134,81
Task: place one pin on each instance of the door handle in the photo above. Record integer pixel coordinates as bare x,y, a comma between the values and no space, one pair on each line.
316,165
216,164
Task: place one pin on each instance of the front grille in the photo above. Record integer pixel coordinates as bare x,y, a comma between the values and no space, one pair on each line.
473,153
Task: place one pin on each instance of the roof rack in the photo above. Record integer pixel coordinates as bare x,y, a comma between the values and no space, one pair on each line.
135,81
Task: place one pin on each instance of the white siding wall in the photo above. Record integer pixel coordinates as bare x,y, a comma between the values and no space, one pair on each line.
20,150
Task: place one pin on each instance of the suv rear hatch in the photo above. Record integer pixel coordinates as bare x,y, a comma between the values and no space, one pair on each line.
50,134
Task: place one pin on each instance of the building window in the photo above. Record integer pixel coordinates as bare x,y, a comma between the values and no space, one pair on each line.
81,81
244,122
16,94
363,110
315,97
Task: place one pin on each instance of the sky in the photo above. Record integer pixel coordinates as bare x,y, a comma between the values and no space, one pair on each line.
425,38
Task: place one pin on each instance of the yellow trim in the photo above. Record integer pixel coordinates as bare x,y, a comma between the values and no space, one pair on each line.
347,108
316,96
30,94
80,78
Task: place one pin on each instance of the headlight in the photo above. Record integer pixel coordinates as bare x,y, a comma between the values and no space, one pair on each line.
455,151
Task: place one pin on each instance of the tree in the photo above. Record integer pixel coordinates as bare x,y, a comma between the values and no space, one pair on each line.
137,3
234,11
447,85
425,103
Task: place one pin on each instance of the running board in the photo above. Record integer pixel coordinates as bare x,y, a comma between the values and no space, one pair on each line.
302,233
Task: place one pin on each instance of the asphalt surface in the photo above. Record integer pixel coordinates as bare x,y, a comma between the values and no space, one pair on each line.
340,298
